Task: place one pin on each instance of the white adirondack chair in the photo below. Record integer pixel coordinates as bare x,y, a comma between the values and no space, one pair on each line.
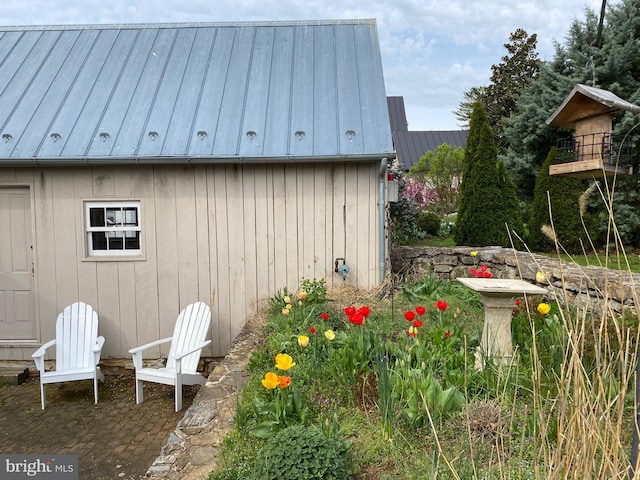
78,349
187,343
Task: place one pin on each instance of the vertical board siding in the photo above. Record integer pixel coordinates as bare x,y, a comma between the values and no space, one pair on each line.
167,251
220,264
45,254
145,315
229,235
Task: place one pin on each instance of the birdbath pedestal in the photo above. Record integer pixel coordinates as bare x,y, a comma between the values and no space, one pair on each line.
497,295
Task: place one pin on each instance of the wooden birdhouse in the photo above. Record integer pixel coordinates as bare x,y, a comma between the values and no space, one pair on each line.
593,151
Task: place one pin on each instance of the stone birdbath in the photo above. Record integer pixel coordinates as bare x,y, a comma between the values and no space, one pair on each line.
497,295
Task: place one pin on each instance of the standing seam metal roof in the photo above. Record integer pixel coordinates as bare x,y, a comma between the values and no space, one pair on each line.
412,145
259,91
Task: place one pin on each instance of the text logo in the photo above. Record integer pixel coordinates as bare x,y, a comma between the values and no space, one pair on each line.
50,467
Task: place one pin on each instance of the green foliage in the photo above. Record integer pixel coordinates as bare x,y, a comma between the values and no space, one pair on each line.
299,453
508,79
238,462
403,216
428,223
442,168
380,386
563,193
486,198
613,65
511,205
465,109
315,289
429,288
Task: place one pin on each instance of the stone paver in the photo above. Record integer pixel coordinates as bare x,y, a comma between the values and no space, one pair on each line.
117,439
114,439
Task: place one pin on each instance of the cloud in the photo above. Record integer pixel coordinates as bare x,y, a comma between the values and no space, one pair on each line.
433,51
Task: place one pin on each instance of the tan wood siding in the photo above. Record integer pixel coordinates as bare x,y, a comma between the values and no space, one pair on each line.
229,235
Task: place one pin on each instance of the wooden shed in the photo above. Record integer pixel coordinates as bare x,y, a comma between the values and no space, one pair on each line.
146,167
592,151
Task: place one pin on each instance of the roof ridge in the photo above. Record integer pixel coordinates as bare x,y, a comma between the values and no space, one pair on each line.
132,26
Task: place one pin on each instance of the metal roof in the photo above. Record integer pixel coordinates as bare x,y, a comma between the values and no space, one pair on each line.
397,114
411,145
585,101
233,92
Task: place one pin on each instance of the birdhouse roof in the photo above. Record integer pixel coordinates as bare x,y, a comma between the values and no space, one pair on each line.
584,102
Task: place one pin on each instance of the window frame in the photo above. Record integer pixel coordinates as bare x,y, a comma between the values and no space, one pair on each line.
89,230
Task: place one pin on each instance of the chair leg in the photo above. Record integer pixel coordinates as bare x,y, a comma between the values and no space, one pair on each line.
42,399
139,391
178,394
98,376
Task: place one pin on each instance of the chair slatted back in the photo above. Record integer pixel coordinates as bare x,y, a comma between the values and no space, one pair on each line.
76,334
191,330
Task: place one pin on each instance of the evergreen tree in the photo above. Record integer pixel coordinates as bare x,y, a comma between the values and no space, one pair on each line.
483,208
613,64
563,194
463,113
508,79
513,217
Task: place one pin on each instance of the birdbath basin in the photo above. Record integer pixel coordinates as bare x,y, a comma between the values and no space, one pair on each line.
497,295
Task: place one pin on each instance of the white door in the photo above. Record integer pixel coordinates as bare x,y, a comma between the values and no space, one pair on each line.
17,320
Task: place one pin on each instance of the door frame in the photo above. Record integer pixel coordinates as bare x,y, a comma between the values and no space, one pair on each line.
36,341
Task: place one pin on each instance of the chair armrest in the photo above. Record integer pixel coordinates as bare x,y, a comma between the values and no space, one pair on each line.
149,345
194,349
38,355
98,346
179,358
137,352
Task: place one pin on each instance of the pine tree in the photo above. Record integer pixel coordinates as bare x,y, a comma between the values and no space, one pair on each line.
484,208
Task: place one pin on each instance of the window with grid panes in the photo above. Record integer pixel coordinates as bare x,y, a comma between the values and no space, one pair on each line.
113,228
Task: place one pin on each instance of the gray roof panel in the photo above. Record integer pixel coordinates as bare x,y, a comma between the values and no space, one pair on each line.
411,145
220,91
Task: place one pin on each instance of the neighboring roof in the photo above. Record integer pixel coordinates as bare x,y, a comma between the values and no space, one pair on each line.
232,92
397,114
584,102
410,146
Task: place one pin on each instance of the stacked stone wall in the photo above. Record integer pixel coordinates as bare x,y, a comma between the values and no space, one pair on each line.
592,287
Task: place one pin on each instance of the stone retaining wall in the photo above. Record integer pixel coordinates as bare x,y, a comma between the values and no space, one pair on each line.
580,286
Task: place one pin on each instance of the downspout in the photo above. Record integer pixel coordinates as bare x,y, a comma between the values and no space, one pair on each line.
381,214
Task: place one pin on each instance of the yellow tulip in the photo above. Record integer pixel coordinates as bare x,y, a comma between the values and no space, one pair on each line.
303,341
330,334
543,308
284,362
302,295
270,380
287,299
540,277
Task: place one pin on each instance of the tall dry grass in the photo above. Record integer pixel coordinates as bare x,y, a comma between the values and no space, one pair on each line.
584,426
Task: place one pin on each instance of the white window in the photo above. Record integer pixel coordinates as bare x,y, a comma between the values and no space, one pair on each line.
113,228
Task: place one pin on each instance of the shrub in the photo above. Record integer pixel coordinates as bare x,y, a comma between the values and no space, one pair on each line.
402,220
564,194
429,223
487,197
302,452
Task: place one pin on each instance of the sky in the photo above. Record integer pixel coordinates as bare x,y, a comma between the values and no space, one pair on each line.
432,50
